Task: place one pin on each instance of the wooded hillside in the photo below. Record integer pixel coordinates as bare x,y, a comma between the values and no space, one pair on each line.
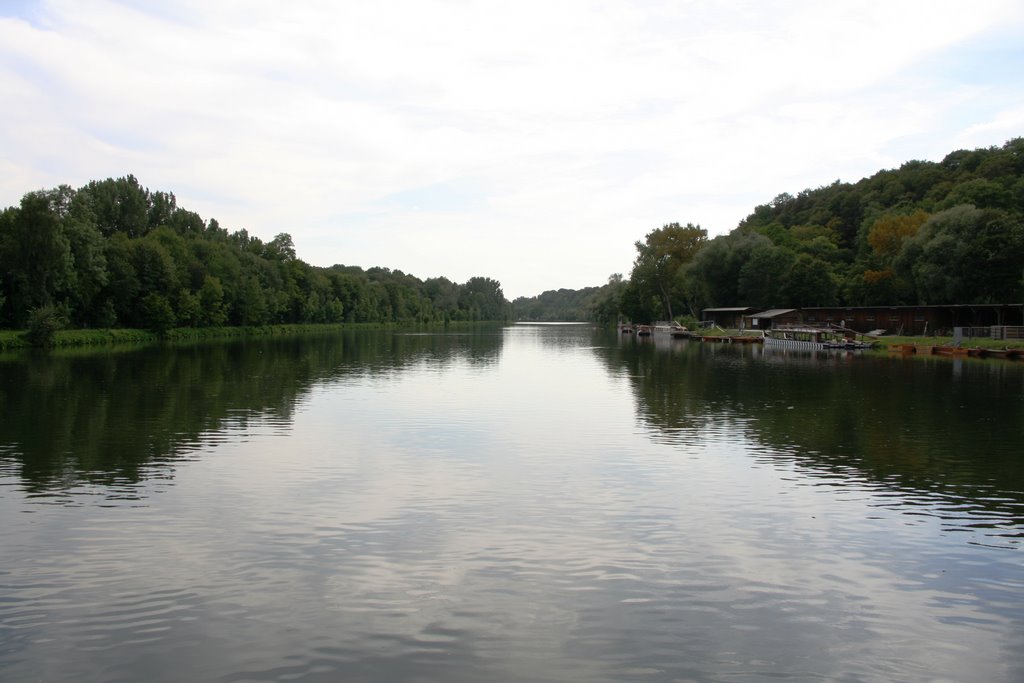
948,232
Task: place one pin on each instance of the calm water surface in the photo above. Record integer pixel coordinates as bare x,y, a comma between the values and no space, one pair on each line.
533,503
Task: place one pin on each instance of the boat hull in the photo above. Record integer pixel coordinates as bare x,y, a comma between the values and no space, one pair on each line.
772,342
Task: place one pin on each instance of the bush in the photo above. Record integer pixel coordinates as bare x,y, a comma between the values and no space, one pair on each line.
43,323
157,314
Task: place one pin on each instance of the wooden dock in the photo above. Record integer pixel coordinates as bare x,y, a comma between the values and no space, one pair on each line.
955,351
729,338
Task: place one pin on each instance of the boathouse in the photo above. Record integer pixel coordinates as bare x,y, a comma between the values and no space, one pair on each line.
916,320
726,318
766,320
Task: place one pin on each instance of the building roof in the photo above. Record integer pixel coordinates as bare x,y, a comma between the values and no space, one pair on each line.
734,309
772,313
906,308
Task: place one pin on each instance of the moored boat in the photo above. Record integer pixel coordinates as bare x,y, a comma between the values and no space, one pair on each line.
812,339
670,328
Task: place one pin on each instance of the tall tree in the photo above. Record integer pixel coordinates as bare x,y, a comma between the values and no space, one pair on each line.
660,258
35,254
966,255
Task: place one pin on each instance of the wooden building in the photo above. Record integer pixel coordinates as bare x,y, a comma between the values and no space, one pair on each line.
898,320
766,320
726,318
915,320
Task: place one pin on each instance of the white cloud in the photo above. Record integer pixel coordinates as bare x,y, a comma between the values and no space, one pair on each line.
568,129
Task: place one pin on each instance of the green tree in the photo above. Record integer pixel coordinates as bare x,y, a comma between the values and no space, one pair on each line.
660,258
157,314
483,299
120,205
764,276
90,274
212,312
281,248
639,304
966,255
35,253
43,324
810,283
188,310
250,308
154,267
122,290
605,306
715,272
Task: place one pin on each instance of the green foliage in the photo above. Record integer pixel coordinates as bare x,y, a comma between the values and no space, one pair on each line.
966,255
809,283
157,314
661,256
605,305
947,232
763,278
715,273
112,253
189,311
561,305
43,324
35,255
211,303
638,305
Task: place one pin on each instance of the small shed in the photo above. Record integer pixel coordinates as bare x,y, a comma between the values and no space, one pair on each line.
766,320
726,318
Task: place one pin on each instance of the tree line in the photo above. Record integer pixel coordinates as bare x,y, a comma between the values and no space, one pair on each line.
114,254
948,232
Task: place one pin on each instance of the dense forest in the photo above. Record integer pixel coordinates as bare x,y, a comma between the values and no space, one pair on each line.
564,305
948,232
114,254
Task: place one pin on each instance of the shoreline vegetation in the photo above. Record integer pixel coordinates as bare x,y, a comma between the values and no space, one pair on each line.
15,340
113,261
113,255
926,233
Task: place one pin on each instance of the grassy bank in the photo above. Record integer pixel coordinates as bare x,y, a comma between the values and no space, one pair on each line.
883,343
15,339
977,342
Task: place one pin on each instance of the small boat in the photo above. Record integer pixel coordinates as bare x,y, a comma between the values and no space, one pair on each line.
643,330
905,349
812,339
670,328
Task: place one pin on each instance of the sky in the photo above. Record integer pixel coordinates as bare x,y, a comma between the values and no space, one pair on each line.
530,142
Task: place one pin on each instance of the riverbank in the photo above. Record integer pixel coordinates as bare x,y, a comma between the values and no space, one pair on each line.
883,343
15,339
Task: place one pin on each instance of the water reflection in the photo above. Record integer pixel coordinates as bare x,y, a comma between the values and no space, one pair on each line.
548,504
946,430
114,418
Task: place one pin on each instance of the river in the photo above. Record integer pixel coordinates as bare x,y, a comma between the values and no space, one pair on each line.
518,503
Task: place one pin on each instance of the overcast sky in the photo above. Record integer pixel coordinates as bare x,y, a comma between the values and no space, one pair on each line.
531,142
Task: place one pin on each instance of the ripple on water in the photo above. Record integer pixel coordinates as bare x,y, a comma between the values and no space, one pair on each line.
401,525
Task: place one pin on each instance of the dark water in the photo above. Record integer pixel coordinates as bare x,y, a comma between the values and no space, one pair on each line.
539,503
